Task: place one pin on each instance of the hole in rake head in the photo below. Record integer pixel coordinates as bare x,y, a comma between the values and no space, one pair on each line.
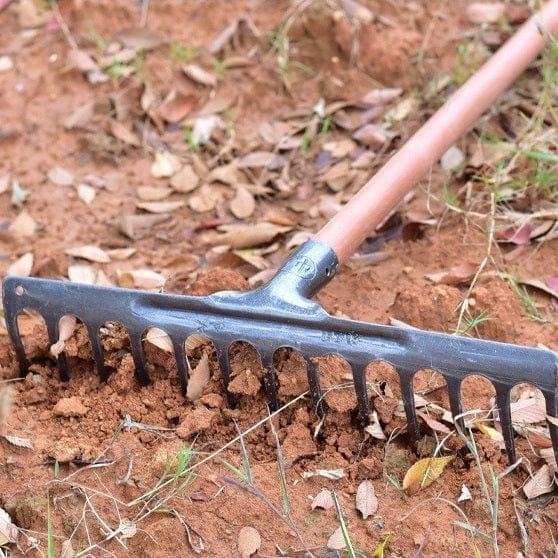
19,290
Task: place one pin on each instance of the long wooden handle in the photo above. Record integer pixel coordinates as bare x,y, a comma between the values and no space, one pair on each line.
360,216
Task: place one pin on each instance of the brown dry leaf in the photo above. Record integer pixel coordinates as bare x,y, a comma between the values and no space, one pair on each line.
227,174
60,176
374,428
81,273
185,180
249,542
121,253
216,105
176,106
336,541
140,38
24,224
67,550
433,424
153,193
323,500
489,431
373,136
224,37
338,176
140,278
485,12
204,199
8,531
455,275
262,159
194,341
247,236
86,193
366,500
542,482
243,204
165,165
529,410
22,266
67,326
88,252
381,96
80,60
199,75
133,225
356,10
80,117
198,378
424,472
160,339
161,206
121,132
18,442
541,285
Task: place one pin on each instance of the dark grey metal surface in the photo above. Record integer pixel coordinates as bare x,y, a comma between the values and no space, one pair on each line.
280,314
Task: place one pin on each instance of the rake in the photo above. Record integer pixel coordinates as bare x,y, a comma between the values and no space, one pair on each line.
281,314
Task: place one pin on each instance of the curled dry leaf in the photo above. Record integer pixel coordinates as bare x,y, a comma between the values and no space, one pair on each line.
455,275
485,12
86,193
337,176
165,165
366,500
247,236
141,279
121,253
198,378
8,531
185,180
323,500
249,542
22,266
140,38
153,193
243,204
124,134
132,226
541,285
381,96
331,474
60,176
23,224
374,428
199,75
18,442
81,60
159,338
262,159
356,10
67,326
81,273
19,195
336,541
373,136
80,117
528,410
424,472
161,206
91,253
542,482
204,199
176,106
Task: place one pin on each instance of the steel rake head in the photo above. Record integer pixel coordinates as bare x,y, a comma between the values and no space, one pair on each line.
280,315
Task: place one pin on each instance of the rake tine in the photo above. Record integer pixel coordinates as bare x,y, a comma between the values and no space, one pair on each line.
361,389
138,355
454,393
408,396
225,368
181,360
98,351
53,330
314,386
269,379
505,419
552,411
17,342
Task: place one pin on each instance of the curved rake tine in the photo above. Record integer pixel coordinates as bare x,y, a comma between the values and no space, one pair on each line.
408,396
97,350
361,389
17,342
270,379
138,355
53,329
552,411
225,368
181,363
314,386
505,419
454,393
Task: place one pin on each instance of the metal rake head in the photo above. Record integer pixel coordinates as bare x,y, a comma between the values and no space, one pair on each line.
280,315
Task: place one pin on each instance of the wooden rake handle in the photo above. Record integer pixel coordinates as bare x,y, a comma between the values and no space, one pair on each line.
362,214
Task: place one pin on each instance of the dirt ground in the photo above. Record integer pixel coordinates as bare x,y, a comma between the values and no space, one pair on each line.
189,146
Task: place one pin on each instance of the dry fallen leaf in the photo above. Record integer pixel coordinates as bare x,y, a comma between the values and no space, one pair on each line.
67,326
160,339
140,38
176,106
356,10
452,159
465,494
121,253
161,206
261,159
60,176
86,193
485,12
381,96
80,60
199,75
366,500
204,199
528,410
424,472
185,180
165,165
541,285
22,266
374,428
455,275
24,224
8,531
140,278
249,542
153,193
81,273
19,195
80,117
6,63
91,253
124,134
336,541
243,204
133,226
323,499
18,442
198,378
542,482
247,236
331,474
